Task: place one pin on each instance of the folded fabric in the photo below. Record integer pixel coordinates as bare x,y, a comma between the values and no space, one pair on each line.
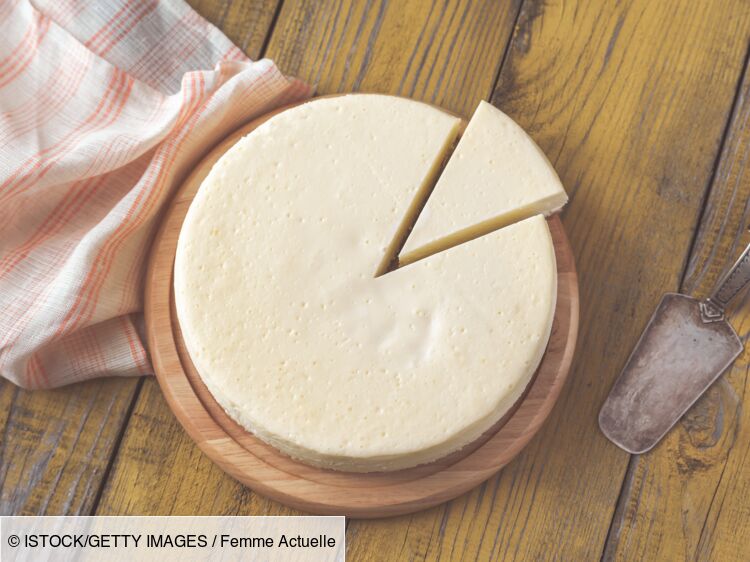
104,107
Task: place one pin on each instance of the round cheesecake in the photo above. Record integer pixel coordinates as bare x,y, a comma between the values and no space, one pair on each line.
297,338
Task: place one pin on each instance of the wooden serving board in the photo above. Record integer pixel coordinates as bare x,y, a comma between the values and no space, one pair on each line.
273,474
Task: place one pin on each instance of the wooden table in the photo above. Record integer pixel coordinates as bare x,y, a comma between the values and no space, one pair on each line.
642,106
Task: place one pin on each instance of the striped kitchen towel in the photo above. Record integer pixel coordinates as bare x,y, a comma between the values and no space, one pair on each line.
104,106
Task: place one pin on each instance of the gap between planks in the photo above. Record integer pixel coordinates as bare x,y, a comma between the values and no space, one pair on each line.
116,446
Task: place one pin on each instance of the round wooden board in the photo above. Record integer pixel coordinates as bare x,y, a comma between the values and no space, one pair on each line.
272,474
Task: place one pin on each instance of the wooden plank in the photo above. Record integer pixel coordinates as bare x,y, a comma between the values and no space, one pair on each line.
688,498
630,101
160,471
56,445
445,54
245,22
342,46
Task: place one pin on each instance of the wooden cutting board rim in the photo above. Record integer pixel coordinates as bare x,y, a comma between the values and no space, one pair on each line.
273,474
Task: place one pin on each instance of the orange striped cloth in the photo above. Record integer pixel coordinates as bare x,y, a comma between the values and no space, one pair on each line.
104,106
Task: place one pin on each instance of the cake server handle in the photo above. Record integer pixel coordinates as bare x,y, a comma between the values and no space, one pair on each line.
733,281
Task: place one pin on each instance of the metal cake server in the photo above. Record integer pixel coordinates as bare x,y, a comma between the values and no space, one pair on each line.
685,347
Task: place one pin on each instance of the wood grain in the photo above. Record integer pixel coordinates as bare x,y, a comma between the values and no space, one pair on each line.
341,46
56,445
445,53
245,22
630,101
689,496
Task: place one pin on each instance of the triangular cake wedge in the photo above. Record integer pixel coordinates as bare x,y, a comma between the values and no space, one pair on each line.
496,176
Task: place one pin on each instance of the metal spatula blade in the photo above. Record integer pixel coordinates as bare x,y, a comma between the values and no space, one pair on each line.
685,347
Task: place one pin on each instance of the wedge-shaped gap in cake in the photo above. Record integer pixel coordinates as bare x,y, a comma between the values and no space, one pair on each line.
389,260
497,176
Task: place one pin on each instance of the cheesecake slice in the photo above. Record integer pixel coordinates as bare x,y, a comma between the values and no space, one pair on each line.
496,176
